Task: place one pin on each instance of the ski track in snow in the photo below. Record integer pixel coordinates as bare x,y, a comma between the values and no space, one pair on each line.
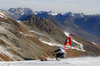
86,61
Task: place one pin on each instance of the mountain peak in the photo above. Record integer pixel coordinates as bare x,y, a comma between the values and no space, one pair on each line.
21,10
52,13
67,13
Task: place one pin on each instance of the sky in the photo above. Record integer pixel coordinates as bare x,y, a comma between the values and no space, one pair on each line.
74,6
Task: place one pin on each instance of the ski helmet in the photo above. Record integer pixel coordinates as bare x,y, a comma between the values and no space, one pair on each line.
59,47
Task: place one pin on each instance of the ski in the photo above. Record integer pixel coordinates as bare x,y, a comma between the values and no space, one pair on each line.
50,60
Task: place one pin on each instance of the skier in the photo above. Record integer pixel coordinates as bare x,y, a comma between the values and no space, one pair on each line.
61,54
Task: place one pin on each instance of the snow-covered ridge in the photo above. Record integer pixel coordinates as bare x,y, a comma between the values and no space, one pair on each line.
21,11
52,13
3,15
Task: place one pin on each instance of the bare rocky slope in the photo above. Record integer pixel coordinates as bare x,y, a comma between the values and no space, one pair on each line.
29,39
46,27
17,43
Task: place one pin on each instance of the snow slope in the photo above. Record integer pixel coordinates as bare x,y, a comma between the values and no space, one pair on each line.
86,61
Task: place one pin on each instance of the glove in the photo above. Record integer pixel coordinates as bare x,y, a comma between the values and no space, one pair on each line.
54,54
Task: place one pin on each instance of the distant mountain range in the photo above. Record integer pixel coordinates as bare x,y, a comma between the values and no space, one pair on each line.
86,26
22,12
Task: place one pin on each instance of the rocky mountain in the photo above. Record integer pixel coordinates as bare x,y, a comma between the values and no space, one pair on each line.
88,24
46,27
18,43
19,13
75,24
35,38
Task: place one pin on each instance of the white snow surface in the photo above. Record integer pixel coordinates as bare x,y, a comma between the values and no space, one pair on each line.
86,61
